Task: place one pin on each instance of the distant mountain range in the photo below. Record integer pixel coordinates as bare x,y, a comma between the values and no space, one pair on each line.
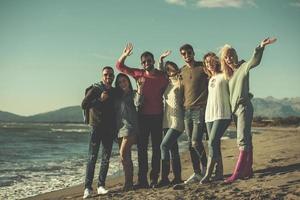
269,107
63,115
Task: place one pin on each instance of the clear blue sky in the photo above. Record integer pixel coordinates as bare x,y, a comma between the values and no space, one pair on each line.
51,50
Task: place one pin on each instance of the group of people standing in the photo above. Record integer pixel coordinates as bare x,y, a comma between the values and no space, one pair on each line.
168,101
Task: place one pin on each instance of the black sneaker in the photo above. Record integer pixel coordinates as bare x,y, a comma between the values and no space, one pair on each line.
163,183
127,188
141,185
176,181
179,186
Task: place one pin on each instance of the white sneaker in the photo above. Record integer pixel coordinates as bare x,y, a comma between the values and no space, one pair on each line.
87,193
102,190
193,178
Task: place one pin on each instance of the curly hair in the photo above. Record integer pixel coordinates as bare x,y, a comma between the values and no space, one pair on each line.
218,65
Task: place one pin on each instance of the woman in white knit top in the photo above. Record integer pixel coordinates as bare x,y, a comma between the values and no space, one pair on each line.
173,124
217,114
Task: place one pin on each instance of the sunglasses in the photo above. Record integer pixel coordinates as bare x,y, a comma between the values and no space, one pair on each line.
109,75
186,52
146,61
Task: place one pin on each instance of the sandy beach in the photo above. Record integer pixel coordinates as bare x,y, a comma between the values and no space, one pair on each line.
276,174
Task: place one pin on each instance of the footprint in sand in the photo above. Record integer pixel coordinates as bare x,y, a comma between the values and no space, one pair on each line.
295,181
274,160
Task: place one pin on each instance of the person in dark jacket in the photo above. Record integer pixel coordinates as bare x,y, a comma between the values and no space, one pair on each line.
127,123
99,101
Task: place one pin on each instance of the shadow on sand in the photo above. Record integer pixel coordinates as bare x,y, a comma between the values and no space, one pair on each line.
270,171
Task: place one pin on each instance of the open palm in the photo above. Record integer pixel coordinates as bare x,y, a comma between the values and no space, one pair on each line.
128,49
267,41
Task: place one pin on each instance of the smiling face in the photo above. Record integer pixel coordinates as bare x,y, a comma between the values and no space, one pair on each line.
147,61
230,58
123,83
172,73
211,63
187,55
171,68
108,76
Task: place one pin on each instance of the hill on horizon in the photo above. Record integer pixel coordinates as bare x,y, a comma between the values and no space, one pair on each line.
268,107
67,114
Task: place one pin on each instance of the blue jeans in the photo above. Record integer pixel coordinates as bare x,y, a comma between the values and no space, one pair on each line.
194,128
150,125
169,144
215,131
243,119
100,134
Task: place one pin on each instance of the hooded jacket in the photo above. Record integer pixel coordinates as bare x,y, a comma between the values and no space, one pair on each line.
99,112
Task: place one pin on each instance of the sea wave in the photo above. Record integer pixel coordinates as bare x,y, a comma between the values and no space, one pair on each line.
69,130
8,180
30,181
37,162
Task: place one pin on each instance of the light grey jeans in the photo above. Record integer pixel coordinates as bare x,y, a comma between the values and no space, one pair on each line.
194,128
215,131
243,119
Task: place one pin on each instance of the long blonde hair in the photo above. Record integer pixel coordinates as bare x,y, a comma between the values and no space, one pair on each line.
228,71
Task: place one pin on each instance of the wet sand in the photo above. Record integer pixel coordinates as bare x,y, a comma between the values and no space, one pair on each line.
276,174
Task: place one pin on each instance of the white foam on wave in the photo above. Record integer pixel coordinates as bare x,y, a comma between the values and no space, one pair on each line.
77,125
59,175
69,130
65,174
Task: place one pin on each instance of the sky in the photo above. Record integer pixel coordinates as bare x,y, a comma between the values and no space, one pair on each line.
51,50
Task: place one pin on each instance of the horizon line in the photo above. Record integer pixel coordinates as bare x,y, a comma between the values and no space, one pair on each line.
56,109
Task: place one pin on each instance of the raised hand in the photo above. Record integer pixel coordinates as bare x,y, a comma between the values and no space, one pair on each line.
126,52
164,54
128,49
267,41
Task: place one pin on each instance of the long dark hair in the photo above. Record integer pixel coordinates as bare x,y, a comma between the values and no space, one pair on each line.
119,90
171,65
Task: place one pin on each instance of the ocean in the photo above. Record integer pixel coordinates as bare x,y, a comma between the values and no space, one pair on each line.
36,158
39,158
